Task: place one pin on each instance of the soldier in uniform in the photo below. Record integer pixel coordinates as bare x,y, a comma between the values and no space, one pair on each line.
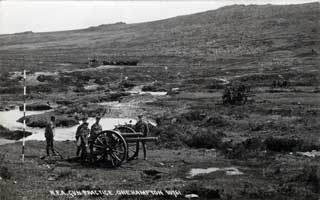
82,139
142,127
96,129
49,135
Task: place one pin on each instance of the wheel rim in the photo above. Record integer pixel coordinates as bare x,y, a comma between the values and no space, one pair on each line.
110,148
133,147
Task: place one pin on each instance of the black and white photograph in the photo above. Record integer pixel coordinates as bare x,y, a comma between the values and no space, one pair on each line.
160,100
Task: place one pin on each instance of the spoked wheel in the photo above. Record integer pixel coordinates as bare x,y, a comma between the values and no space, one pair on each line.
109,148
133,147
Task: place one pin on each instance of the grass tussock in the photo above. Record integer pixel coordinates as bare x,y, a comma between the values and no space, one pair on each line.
6,193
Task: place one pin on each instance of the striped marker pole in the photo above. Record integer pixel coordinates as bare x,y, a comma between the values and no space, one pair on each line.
24,112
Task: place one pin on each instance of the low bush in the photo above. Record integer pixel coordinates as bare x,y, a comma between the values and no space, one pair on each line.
45,88
284,144
5,173
215,120
128,84
250,148
169,136
202,138
192,116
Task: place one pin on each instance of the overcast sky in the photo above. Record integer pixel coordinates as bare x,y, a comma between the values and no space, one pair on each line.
41,16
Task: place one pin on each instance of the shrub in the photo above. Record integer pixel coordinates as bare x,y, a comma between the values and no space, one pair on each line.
250,148
5,173
202,138
289,145
10,90
169,135
215,120
45,88
283,144
128,84
193,116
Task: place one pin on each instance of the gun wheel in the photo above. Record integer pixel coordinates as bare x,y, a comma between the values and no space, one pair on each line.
109,148
133,147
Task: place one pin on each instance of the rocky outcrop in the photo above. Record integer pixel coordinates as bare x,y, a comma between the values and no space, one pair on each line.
36,107
48,78
41,120
120,62
156,87
128,84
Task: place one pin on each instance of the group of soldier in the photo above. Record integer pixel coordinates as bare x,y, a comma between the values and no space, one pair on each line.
280,84
85,136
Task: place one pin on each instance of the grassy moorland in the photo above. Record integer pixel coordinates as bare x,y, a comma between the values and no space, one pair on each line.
232,36
191,57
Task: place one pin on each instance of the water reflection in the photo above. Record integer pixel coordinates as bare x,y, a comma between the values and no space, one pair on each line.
228,171
9,120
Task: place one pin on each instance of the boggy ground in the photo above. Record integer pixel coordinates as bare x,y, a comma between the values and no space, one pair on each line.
263,138
190,57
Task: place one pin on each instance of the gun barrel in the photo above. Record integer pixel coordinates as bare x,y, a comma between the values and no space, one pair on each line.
126,135
142,139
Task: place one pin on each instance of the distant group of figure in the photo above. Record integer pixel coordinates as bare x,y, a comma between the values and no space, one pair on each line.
280,84
85,136
235,94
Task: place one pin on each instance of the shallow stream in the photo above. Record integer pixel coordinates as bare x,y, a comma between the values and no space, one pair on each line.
9,119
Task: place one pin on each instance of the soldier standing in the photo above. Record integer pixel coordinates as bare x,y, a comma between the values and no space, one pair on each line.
82,138
96,129
142,127
49,135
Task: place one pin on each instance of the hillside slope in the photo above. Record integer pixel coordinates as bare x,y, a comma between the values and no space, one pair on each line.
230,33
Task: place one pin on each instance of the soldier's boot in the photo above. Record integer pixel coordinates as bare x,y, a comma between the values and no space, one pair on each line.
48,154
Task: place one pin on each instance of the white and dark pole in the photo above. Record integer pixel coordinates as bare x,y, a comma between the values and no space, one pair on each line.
24,112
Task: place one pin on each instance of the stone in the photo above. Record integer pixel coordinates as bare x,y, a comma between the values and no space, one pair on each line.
191,196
